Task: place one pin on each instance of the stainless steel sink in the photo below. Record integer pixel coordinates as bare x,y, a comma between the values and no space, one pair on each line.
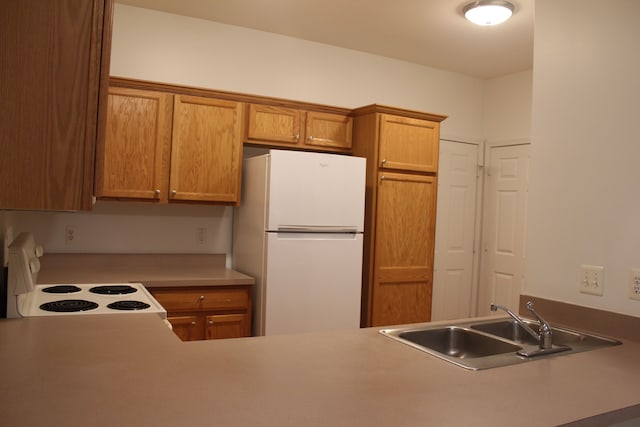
458,342
492,343
578,341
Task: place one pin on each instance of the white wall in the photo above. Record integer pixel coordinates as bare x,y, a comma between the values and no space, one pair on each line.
507,107
118,227
584,206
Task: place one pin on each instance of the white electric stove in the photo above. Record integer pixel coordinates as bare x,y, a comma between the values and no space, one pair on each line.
25,298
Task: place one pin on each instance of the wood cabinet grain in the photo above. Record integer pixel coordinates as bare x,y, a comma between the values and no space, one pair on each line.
54,69
132,157
298,128
401,147
207,312
206,150
165,147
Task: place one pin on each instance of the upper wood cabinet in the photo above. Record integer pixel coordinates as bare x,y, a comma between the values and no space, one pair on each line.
132,157
408,144
53,73
401,147
297,128
170,148
206,151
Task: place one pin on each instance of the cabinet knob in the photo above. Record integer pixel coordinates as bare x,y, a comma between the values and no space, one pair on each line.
173,193
296,136
383,162
211,322
193,323
201,298
156,192
310,138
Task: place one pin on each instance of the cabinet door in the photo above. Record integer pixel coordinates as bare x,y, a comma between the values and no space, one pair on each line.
325,130
408,144
206,150
219,326
404,244
188,328
132,160
50,79
267,123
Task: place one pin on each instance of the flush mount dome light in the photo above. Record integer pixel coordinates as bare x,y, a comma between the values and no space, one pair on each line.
488,12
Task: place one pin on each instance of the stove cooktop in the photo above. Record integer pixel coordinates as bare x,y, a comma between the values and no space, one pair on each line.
116,298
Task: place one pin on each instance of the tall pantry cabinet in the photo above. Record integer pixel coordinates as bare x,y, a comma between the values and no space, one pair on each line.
401,147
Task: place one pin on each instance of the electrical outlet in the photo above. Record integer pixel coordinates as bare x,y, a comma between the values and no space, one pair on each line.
592,279
70,234
634,284
201,235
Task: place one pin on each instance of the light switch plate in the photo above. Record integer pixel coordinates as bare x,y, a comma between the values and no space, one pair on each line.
592,279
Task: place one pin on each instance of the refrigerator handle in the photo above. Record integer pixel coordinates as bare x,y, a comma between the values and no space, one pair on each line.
315,229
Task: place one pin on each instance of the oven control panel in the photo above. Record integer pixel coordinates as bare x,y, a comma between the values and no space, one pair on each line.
23,264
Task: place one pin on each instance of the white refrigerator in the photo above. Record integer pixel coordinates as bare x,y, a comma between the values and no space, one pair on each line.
298,232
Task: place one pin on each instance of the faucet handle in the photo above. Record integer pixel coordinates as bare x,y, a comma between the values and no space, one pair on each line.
544,326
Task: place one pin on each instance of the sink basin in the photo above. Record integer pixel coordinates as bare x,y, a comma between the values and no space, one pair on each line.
578,341
458,342
492,343
458,345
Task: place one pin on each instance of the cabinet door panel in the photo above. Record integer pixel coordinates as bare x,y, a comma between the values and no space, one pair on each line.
50,74
273,124
220,326
328,130
132,160
206,150
408,144
188,328
404,244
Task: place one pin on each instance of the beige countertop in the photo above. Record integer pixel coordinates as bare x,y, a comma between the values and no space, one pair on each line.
154,270
133,371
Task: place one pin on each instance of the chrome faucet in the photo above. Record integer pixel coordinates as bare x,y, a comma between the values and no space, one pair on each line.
543,336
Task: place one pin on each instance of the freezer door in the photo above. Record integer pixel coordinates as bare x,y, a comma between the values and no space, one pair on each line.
315,189
312,282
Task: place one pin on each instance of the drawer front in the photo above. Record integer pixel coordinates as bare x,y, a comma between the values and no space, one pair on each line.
205,299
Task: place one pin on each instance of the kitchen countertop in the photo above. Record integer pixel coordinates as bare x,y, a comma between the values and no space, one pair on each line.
152,270
132,370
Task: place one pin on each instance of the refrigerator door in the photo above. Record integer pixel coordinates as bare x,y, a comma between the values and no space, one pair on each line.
312,283
315,190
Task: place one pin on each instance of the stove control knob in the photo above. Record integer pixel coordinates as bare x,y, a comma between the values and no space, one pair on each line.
34,265
39,251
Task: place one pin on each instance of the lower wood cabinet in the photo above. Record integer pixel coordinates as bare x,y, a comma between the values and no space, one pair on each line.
207,312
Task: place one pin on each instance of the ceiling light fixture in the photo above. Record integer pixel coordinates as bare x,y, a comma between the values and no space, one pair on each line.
488,12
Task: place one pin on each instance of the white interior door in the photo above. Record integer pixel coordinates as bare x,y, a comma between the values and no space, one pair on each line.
502,265
453,288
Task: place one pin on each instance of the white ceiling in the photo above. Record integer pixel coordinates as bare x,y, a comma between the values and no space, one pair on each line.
428,32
